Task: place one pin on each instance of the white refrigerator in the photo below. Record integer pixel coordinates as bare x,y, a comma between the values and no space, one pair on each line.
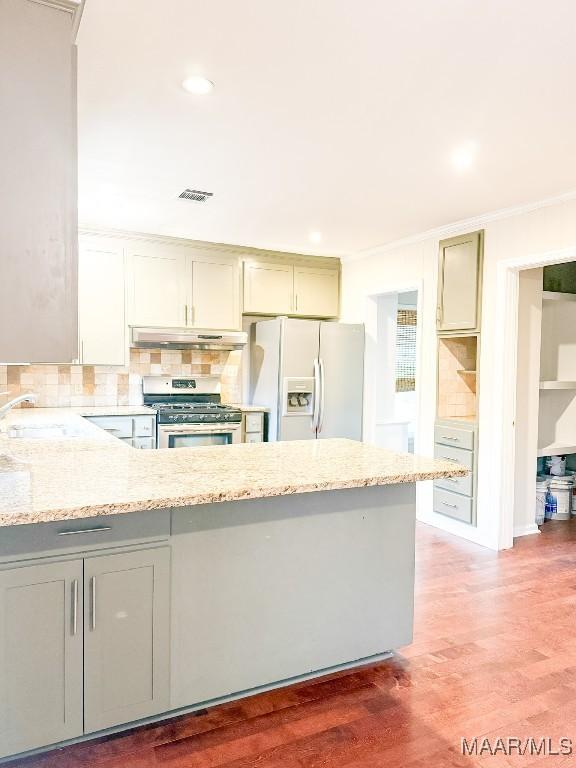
310,375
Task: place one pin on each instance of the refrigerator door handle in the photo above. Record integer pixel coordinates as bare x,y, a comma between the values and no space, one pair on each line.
316,411
321,409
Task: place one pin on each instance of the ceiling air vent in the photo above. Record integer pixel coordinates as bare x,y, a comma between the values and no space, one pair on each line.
196,195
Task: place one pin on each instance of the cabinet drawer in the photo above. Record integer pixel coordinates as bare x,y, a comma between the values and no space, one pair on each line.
119,426
253,437
22,542
463,485
253,422
453,505
458,437
144,426
454,454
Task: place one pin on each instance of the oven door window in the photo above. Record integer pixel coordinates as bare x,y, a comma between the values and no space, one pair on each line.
194,440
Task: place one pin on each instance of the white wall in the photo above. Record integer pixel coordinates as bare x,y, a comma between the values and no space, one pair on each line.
406,265
527,399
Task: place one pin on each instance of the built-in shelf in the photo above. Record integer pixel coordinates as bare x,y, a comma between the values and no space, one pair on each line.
556,449
557,296
558,385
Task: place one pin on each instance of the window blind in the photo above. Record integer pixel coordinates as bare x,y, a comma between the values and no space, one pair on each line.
406,350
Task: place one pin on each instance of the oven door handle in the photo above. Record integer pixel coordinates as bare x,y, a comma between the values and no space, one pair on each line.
196,429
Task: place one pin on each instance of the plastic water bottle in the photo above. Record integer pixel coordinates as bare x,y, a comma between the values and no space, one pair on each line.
550,508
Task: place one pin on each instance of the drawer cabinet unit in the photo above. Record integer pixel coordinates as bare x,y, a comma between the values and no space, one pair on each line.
453,504
40,655
459,283
455,497
300,290
454,436
102,323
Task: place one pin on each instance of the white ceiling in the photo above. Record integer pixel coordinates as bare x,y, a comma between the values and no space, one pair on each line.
330,115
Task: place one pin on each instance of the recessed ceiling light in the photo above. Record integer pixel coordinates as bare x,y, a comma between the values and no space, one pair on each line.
315,237
464,156
198,85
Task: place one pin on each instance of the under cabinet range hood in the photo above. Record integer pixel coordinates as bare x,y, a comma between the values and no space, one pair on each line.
187,338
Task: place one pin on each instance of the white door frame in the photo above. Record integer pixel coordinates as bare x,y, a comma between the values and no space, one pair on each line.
504,407
371,326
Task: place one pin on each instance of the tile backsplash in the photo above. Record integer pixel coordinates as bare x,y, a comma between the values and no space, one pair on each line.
90,385
456,377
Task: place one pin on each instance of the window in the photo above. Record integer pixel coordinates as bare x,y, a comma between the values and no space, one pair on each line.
406,350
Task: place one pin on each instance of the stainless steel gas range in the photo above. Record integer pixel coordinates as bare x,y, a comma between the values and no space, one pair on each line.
190,412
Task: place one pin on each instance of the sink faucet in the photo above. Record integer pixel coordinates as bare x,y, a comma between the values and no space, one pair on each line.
30,397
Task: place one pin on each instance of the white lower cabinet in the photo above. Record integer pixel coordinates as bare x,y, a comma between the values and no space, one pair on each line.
84,645
40,655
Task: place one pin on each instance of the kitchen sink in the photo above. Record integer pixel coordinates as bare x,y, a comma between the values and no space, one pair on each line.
40,431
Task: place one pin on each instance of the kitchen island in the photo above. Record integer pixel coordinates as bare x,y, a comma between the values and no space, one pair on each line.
139,584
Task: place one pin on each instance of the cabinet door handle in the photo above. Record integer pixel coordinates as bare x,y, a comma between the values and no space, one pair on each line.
185,314
192,313
74,607
296,299
100,529
93,601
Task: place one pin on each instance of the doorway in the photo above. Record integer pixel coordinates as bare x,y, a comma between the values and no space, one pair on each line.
395,406
516,408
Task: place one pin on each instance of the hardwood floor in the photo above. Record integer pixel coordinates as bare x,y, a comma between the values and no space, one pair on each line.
494,654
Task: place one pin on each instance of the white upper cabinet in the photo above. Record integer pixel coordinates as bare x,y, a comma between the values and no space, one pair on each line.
316,292
173,286
158,285
459,283
268,288
38,210
302,290
102,319
215,295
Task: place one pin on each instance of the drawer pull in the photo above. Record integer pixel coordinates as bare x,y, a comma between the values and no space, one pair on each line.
93,591
74,607
447,437
448,458
100,529
451,480
452,506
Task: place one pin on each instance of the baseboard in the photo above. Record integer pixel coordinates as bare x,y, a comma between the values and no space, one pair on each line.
456,528
525,530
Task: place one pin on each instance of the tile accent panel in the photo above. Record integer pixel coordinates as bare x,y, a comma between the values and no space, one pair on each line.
456,385
88,385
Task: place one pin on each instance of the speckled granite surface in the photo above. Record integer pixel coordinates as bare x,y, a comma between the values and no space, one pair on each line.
88,473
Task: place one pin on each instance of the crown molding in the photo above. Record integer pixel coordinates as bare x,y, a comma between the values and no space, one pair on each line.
456,227
242,251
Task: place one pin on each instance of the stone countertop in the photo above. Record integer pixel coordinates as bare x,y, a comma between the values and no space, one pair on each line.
88,473
105,410
249,408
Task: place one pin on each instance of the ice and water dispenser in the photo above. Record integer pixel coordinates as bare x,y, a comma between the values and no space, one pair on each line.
298,397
